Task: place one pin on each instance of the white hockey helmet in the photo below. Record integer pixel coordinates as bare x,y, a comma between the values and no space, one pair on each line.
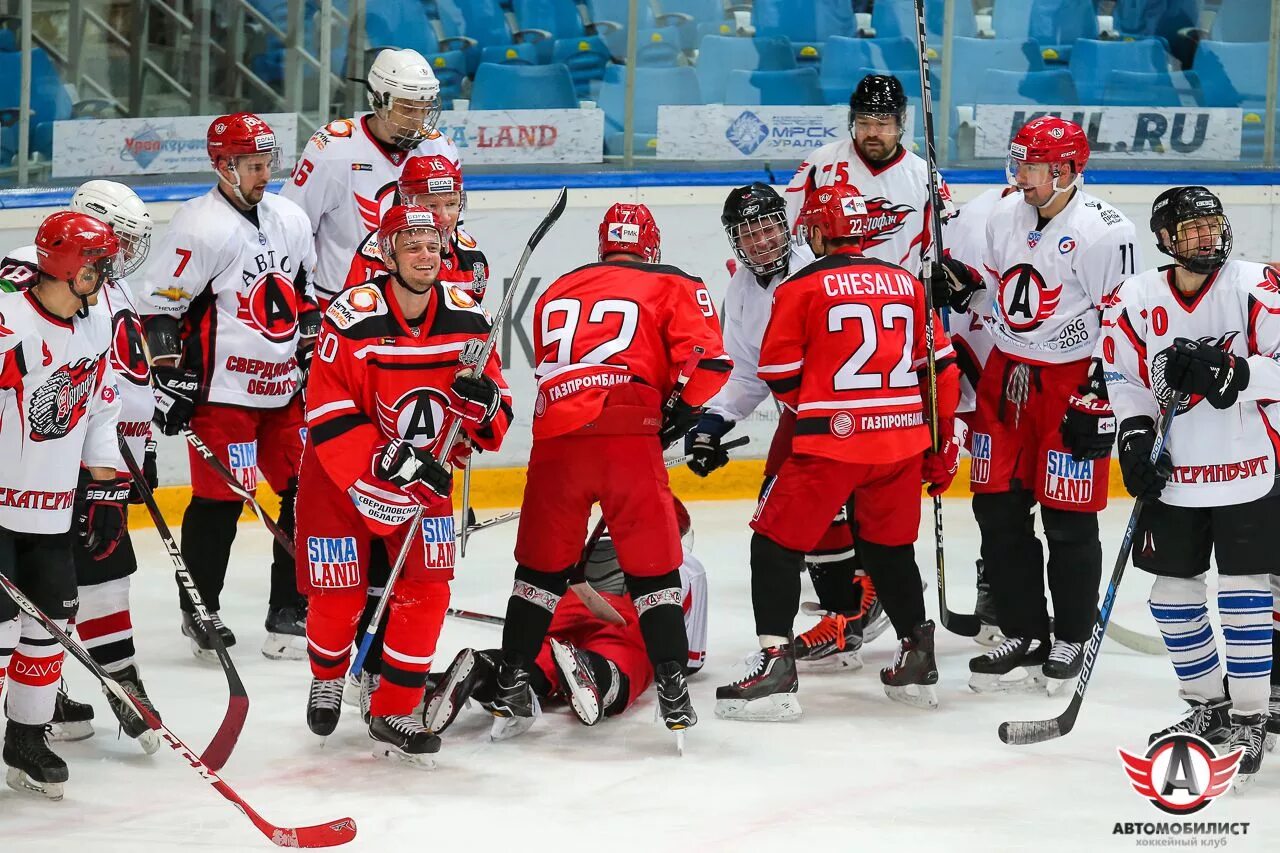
119,207
404,93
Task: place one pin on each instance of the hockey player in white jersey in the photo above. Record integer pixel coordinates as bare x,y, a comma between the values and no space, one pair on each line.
59,407
1043,429
103,618
230,319
346,177
1203,332
893,180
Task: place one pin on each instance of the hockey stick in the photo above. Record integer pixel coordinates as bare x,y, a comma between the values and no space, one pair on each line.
476,354
197,443
1136,641
328,834
964,624
215,755
468,517
1038,731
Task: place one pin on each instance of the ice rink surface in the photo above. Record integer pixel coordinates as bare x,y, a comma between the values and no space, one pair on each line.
858,773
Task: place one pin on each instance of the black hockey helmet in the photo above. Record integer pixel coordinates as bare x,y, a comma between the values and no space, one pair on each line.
1176,223
879,95
755,220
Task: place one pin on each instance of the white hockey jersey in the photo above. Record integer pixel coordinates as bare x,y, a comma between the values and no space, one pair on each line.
344,181
964,236
59,407
1046,281
897,195
746,314
1220,456
234,283
127,354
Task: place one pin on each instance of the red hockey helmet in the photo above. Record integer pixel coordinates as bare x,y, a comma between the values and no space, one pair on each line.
1049,139
834,211
431,174
240,134
401,218
630,229
66,242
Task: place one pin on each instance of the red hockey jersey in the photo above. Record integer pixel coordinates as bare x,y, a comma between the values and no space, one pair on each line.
618,333
844,349
375,377
464,265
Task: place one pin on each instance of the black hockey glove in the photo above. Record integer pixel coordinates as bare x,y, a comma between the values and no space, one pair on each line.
175,392
1089,426
477,397
1143,478
703,444
103,515
1195,367
677,422
953,285
415,472
149,473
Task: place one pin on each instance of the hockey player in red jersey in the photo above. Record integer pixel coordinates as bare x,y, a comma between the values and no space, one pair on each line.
59,408
1043,427
434,182
609,340
385,387
230,318
845,349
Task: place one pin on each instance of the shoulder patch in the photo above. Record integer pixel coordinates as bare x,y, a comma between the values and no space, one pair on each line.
458,299
354,305
465,240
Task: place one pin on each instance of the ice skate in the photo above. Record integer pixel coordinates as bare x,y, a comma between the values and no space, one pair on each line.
834,644
404,738
1248,731
989,634
1208,719
1063,665
514,704
579,683
767,693
675,708
1014,666
33,767
324,705
131,721
470,675
286,634
912,678
1273,717
201,644
72,720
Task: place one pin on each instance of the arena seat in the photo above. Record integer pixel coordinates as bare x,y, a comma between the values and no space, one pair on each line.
523,87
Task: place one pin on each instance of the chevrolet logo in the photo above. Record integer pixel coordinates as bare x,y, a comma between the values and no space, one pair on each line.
173,294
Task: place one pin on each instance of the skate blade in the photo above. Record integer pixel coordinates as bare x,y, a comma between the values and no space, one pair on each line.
1270,742
69,732
21,782
208,656
775,708
1242,783
989,636
839,662
875,629
584,703
923,696
390,753
149,741
1033,681
505,728
679,742
284,647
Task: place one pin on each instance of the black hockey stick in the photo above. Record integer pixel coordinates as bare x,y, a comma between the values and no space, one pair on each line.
224,473
329,834
215,755
1038,731
964,624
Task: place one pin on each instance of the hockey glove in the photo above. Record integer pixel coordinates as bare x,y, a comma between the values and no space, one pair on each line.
1143,478
415,472
953,284
702,443
476,398
1089,425
940,466
175,392
102,517
1195,367
677,422
149,473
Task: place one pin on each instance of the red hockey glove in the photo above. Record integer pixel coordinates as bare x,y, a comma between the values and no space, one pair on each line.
103,515
940,466
476,397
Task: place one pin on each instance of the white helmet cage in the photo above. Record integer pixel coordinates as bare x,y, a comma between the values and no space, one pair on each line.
119,207
404,76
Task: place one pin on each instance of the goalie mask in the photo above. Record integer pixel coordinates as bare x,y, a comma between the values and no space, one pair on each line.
755,220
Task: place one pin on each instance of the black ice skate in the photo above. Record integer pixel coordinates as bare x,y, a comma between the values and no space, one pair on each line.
324,705
130,721
767,693
1207,719
286,634
1273,717
33,767
72,720
835,643
201,644
514,704
914,673
471,674
675,708
579,683
1064,663
874,620
1014,666
1248,731
985,609
402,736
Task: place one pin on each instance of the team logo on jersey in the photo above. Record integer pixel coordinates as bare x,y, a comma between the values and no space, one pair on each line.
333,562
173,294
842,425
270,306
884,219
1270,279
459,298
1191,774
1066,245
980,464
1066,479
362,167
363,299
1025,299
371,209
62,400
1033,239
243,456
440,544
415,417
127,356
1163,393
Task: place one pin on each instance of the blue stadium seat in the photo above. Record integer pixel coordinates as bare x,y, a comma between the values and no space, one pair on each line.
50,100
523,87
808,23
523,53
543,21
654,86
794,86
1092,60
1145,18
699,12
655,46
970,54
1150,89
486,21
1233,74
843,56
586,58
897,18
1242,20
1053,24
450,69
615,11
718,55
1055,87
447,18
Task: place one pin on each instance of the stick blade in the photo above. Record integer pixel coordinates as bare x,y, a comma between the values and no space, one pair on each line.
1030,731
550,219
332,834
964,624
215,755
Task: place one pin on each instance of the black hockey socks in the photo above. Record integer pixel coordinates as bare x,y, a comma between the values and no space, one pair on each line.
833,582
1075,570
208,530
775,586
659,601
893,570
533,601
1013,562
284,579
